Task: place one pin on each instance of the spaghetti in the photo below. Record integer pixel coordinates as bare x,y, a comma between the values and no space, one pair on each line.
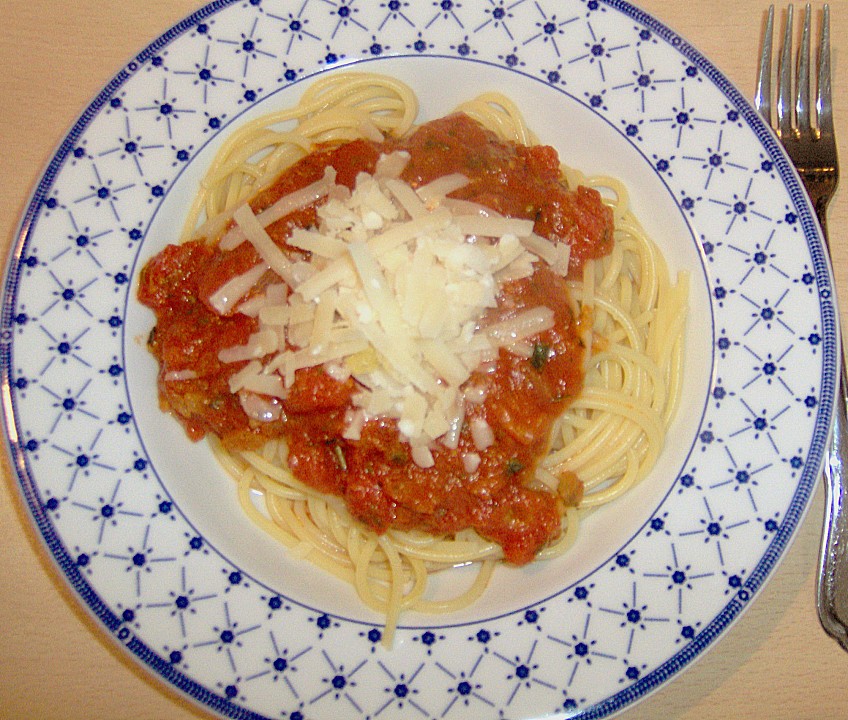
620,305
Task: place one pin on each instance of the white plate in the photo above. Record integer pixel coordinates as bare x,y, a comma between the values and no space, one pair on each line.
144,525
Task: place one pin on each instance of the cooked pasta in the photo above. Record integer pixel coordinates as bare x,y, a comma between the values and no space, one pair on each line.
628,317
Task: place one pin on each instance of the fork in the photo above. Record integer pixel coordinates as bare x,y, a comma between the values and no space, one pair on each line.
812,149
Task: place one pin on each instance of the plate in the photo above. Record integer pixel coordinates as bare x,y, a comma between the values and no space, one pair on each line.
144,526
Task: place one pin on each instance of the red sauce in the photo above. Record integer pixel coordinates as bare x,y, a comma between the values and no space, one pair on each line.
375,475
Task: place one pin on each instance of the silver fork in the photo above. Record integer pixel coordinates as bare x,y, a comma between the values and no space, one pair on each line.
811,147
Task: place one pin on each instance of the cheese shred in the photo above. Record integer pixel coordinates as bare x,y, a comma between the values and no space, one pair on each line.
399,293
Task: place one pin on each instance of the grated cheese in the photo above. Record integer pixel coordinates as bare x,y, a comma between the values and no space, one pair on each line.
395,294
226,297
482,434
286,205
265,246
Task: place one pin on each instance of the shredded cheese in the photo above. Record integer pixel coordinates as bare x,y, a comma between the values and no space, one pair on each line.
286,205
231,292
395,294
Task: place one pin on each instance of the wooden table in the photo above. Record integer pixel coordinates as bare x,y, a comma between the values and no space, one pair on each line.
54,57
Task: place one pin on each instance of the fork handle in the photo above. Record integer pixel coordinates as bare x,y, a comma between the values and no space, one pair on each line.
833,577
832,594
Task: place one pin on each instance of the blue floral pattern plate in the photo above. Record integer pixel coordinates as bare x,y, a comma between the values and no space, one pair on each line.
145,527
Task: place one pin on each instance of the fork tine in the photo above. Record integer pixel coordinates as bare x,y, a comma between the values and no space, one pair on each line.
824,97
802,79
762,99
784,87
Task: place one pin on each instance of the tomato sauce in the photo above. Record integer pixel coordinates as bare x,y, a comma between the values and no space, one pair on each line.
382,486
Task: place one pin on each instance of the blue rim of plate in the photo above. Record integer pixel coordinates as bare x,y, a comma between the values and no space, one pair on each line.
531,692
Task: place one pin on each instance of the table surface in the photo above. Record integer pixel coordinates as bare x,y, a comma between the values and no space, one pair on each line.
775,662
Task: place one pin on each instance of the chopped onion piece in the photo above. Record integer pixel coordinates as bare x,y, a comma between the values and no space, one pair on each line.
260,408
266,385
